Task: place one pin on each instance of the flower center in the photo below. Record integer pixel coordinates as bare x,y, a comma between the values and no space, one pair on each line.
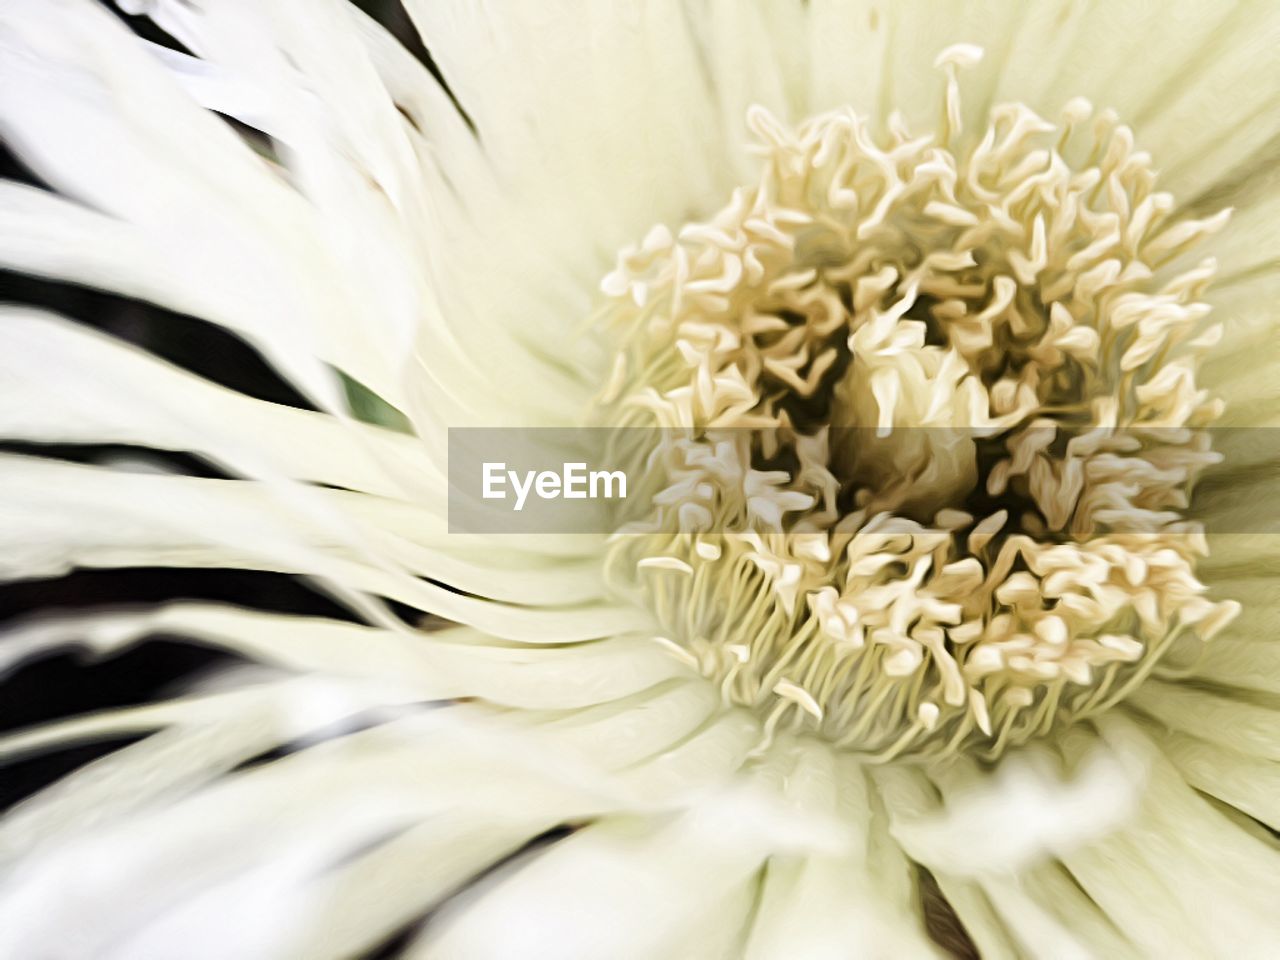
928,422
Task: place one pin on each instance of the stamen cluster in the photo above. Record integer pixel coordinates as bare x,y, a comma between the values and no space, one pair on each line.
929,423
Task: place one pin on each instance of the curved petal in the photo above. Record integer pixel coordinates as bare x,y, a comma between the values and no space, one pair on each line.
1236,723
1167,69
1248,783
399,881
1232,661
197,740
452,663
577,107
73,74
1172,876
64,383
395,203
332,801
1181,877
57,515
619,888
856,903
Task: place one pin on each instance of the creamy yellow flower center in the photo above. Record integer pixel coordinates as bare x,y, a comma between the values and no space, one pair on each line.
928,423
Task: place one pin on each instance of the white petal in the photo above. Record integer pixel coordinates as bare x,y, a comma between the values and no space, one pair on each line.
1185,75
1030,807
618,889
61,514
1248,783
61,382
836,906
356,908
909,796
586,114
1236,723
1195,80
481,820
1049,915
709,758
336,797
744,70
1244,246
309,697
1180,879
198,739
980,919
319,94
1242,374
400,195
1249,664
193,218
1242,563
904,40
179,884
446,664
622,733
838,76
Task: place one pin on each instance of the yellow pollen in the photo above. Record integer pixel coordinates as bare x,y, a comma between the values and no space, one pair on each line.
927,423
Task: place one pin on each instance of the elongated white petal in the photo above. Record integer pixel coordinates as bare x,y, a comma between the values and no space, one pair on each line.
322,98
370,899
199,738
306,696
179,852
637,886
1028,809
411,873
1155,882
1239,724
63,514
836,78
443,664
1181,878
184,214
1247,664
465,786
184,882
833,906
712,756
401,198
908,795
1000,923
599,133
342,133
744,69
1166,69
623,733
228,917
1243,563
1045,910
615,889
64,383
1246,782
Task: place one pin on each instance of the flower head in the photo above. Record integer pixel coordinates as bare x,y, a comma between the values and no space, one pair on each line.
936,624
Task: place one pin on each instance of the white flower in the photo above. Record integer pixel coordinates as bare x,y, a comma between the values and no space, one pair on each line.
937,657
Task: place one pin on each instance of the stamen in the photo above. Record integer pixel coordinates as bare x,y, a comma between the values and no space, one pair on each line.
932,422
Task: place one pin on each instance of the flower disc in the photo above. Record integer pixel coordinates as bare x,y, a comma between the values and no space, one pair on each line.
927,424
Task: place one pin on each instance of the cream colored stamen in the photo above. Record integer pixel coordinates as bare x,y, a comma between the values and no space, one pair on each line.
932,422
